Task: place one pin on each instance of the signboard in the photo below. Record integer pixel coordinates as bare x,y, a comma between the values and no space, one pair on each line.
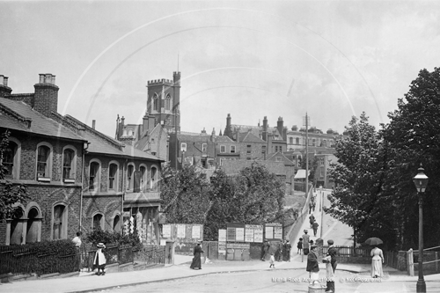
269,232
181,231
258,233
274,231
278,233
249,234
221,235
222,241
196,232
230,234
166,231
238,245
239,234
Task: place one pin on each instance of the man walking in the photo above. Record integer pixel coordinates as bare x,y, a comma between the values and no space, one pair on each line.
315,226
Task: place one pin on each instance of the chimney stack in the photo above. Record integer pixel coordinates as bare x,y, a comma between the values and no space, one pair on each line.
4,89
46,95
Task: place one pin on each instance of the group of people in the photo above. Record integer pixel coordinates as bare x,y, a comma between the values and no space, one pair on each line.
99,259
329,260
280,253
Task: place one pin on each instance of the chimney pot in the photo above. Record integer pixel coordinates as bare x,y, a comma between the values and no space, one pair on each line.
93,123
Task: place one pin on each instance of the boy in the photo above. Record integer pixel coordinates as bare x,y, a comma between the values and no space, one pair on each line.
300,246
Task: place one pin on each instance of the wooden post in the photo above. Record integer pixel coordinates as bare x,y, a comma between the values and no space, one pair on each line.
410,262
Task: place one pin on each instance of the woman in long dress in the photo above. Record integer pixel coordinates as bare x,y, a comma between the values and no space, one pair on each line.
197,260
376,262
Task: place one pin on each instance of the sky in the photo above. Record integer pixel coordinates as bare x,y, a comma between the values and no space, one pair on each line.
250,59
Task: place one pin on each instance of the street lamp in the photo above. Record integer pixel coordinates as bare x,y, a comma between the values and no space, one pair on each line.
420,181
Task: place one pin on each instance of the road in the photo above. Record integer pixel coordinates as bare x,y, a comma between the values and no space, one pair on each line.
333,229
276,281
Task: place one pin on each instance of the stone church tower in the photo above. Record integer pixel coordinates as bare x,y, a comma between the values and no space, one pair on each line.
163,103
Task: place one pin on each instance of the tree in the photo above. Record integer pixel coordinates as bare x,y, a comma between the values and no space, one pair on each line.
184,195
10,194
413,137
359,176
253,196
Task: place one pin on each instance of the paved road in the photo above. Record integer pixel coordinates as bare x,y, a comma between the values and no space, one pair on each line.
333,229
276,281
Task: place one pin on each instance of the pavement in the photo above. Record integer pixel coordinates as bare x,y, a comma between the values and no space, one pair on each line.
89,282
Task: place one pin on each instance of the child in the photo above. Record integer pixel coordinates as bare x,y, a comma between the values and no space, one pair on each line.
300,246
272,261
99,261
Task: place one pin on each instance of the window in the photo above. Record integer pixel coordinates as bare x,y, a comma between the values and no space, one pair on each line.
297,140
291,140
324,143
94,176
153,178
263,150
9,158
232,149
313,142
68,165
204,147
222,149
117,224
143,171
43,163
59,222
168,103
249,149
33,230
97,222
155,103
183,147
130,173
112,176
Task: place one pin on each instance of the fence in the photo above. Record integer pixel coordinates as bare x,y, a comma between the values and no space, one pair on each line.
19,260
292,234
150,254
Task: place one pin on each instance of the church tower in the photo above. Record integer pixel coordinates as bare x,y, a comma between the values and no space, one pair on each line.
163,103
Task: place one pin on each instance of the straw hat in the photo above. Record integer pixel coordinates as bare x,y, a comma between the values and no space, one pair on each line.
100,245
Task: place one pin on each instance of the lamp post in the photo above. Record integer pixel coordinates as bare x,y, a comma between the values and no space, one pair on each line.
420,181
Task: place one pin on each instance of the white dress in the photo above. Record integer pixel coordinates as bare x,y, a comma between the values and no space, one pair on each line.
376,262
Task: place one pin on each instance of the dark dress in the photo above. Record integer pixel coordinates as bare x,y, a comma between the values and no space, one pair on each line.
286,250
197,261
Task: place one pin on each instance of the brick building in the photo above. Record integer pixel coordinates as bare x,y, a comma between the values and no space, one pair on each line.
77,177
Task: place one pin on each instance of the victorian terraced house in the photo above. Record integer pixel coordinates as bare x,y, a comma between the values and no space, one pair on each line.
76,177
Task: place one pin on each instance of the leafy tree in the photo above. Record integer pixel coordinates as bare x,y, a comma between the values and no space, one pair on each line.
253,196
10,194
357,198
413,137
184,195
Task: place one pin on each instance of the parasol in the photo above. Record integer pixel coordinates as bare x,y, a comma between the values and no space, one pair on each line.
373,241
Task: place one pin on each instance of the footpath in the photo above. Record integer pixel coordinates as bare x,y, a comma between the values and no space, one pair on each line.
89,282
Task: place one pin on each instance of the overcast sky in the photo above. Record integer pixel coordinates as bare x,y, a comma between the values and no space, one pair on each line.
331,59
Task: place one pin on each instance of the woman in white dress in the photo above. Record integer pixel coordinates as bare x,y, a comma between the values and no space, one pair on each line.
376,262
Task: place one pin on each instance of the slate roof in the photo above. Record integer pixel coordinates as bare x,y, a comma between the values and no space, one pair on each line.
103,144
14,114
233,167
250,137
285,159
